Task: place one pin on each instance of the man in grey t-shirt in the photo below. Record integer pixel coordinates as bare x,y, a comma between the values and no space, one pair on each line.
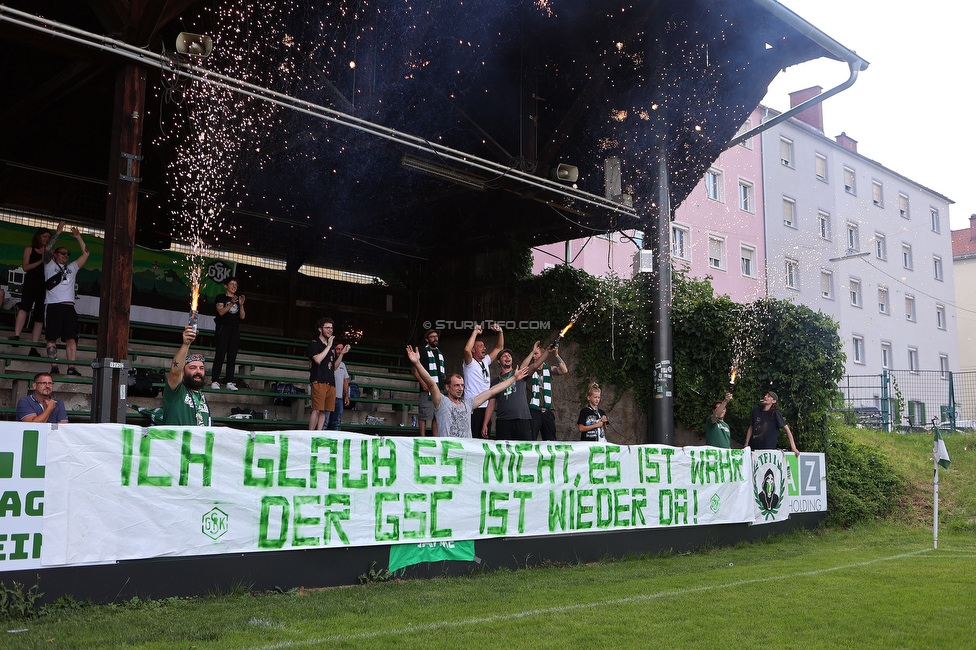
453,410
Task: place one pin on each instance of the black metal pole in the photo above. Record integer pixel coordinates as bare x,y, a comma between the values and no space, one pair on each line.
661,422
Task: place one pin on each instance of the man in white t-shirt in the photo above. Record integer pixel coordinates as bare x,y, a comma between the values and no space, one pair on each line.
477,377
60,317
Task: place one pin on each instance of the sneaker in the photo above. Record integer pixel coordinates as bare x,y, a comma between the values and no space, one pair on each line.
231,386
215,385
14,338
33,353
55,370
73,371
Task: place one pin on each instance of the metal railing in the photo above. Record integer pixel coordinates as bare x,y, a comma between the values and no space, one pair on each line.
911,399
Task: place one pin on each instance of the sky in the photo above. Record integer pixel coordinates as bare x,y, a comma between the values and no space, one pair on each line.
913,109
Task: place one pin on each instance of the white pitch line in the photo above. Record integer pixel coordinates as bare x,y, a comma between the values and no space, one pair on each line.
432,627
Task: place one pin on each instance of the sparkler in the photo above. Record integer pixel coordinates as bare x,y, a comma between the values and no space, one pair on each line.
572,321
194,295
735,371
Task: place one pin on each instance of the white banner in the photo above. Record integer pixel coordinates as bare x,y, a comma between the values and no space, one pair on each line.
113,492
22,453
118,492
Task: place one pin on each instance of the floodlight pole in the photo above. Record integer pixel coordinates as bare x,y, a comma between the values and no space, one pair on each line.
661,408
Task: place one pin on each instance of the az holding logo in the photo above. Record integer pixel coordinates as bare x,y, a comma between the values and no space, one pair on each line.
215,523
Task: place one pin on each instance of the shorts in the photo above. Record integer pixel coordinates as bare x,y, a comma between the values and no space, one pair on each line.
60,321
323,397
425,407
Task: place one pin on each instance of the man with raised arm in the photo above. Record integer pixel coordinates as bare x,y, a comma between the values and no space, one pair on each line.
513,419
453,410
184,403
60,317
477,377
436,367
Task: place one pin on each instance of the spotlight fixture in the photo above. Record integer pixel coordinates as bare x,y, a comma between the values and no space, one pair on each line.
194,44
565,173
443,172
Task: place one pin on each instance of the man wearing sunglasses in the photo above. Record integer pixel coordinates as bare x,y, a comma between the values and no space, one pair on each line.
60,317
40,406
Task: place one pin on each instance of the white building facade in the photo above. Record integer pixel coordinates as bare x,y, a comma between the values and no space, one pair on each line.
863,244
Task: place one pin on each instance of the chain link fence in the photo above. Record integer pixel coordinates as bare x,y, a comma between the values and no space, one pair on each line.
905,399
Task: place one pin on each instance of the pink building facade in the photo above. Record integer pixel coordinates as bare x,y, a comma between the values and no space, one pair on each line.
717,231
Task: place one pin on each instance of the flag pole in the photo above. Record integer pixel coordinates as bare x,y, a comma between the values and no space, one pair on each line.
940,456
935,507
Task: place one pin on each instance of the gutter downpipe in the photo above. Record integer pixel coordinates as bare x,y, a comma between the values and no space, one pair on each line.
854,62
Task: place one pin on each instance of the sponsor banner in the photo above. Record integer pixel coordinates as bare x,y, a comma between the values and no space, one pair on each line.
22,453
785,483
117,492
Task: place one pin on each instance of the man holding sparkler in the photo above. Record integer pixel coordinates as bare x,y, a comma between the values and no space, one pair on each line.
717,433
184,403
477,377
540,395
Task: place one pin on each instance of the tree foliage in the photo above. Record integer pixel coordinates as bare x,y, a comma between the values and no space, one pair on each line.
773,345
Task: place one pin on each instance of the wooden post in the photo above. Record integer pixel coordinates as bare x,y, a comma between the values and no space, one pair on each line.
125,158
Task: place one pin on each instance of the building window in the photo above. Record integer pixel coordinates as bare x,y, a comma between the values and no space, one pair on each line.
716,252
639,238
792,274
855,293
824,221
789,212
937,264
934,218
885,354
858,346
853,238
747,143
748,258
820,163
877,195
786,152
906,256
944,366
940,316
880,246
910,308
745,196
849,181
883,306
903,206
913,359
680,247
713,184
827,284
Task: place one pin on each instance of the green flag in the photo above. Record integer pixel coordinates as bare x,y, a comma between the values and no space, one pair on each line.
940,453
403,555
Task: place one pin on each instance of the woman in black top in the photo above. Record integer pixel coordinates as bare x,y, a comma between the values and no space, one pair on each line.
227,333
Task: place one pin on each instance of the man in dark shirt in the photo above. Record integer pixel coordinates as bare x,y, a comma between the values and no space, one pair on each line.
765,423
39,406
323,357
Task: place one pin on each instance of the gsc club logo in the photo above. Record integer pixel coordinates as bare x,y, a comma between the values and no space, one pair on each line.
215,523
